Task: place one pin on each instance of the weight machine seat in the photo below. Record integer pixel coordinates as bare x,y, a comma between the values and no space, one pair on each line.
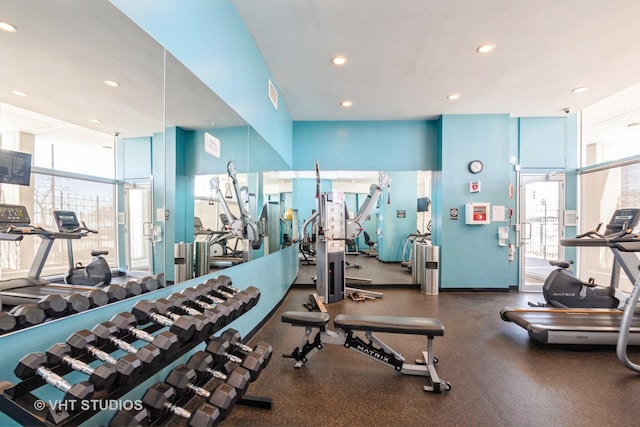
392,324
314,319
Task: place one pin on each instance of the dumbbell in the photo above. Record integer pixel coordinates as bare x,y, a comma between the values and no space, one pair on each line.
166,341
128,367
132,288
160,397
228,310
222,396
34,364
262,347
77,303
203,324
102,377
130,417
7,322
53,305
216,317
253,362
240,305
202,363
146,311
108,333
202,298
97,297
27,315
224,283
148,283
115,293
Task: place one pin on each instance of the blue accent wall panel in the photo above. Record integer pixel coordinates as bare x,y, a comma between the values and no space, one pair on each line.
543,142
396,227
234,145
469,254
365,145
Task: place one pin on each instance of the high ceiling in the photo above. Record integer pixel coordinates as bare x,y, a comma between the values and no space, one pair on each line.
404,58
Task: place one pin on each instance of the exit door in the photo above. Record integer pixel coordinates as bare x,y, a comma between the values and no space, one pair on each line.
541,227
138,228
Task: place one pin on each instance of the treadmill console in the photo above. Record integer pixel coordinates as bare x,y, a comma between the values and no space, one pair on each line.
66,221
14,215
622,219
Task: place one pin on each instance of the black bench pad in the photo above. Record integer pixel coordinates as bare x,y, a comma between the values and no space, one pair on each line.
392,324
306,318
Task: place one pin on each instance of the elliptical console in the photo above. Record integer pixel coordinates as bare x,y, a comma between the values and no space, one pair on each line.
563,289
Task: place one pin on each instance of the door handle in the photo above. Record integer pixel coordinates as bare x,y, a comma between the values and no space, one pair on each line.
146,229
526,236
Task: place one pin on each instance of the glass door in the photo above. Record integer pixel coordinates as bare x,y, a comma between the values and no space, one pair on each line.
541,227
138,228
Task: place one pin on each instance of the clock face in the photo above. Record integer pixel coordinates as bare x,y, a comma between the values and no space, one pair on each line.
475,166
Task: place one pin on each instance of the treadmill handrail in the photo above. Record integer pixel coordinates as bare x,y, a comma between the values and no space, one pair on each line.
625,328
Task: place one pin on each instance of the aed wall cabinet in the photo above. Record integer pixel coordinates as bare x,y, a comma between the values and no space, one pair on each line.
477,213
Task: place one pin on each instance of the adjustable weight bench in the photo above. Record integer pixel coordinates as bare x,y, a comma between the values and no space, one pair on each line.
374,348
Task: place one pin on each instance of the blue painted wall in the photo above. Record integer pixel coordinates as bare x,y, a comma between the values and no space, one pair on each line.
213,42
365,145
469,254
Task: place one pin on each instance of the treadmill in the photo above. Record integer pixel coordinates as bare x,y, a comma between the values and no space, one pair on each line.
15,224
590,326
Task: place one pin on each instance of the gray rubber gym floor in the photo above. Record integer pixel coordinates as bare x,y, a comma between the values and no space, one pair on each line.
499,376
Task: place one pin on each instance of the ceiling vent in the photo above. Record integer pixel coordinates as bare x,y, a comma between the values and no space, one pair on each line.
273,94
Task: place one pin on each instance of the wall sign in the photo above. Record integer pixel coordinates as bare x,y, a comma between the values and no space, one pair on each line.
453,213
211,145
401,214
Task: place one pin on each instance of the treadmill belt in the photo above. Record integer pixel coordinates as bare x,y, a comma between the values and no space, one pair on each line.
586,326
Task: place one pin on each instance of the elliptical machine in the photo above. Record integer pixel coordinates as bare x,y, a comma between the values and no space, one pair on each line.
97,272
563,289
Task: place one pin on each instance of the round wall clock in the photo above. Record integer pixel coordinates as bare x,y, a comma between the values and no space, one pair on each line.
475,166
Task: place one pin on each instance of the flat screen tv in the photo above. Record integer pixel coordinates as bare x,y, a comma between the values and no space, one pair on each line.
423,204
15,167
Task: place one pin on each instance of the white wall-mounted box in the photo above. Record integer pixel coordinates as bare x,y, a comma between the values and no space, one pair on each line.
478,213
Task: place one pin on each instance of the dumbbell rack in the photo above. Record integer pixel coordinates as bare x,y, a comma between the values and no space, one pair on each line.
18,401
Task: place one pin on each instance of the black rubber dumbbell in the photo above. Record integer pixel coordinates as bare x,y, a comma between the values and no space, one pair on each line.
224,283
237,377
7,322
130,417
216,318
148,283
53,305
102,376
166,341
159,400
203,324
132,288
77,303
261,347
220,349
193,298
97,297
128,367
229,308
34,364
108,333
147,312
27,315
208,295
115,293
222,396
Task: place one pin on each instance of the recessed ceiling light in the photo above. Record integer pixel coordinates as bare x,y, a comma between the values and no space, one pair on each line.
579,89
19,93
10,28
634,124
486,48
94,120
346,103
453,96
339,60
111,83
